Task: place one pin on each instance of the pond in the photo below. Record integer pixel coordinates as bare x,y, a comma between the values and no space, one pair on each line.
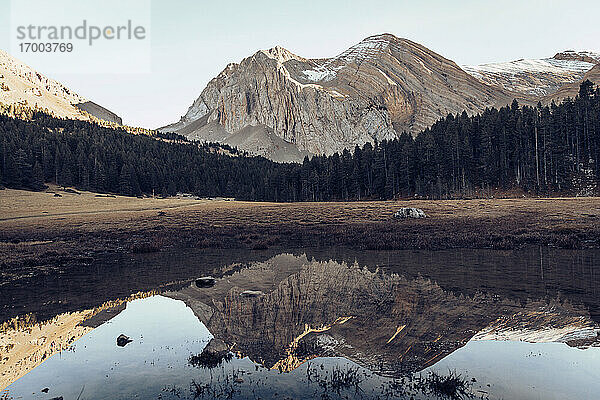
310,323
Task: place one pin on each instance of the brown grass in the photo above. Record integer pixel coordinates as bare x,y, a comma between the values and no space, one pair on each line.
17,204
37,227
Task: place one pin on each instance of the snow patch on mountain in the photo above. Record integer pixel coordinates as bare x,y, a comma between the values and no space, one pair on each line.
588,56
281,67
391,82
336,94
536,77
548,65
367,48
561,334
321,73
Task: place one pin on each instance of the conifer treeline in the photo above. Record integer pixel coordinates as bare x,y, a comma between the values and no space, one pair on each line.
542,150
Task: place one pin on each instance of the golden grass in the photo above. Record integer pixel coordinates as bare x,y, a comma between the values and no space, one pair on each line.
23,208
15,204
34,225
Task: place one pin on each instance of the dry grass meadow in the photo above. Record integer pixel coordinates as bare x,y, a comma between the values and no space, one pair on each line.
25,209
37,227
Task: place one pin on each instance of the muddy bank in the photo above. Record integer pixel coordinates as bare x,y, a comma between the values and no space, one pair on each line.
93,241
42,245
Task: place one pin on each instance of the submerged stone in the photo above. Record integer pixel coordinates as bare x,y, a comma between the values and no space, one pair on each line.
122,340
251,293
205,281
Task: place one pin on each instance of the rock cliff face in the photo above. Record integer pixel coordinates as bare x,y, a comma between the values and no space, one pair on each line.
385,322
21,84
375,90
585,56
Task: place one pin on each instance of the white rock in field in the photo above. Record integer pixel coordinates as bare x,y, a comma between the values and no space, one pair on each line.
410,212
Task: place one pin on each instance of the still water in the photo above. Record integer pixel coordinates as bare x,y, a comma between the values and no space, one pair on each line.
323,323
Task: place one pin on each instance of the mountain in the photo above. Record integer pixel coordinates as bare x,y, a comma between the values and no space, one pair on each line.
254,139
263,141
538,78
299,309
572,89
585,56
21,84
375,90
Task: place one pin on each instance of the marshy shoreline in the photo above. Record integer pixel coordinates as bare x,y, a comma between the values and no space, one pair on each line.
41,233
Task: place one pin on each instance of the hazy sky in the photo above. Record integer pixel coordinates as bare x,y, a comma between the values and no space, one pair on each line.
192,40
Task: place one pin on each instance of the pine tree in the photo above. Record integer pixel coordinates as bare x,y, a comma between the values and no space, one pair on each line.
128,184
37,177
171,189
23,176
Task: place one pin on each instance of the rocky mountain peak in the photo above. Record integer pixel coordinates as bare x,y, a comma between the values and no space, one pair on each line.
537,77
281,54
37,82
585,56
370,47
375,90
21,84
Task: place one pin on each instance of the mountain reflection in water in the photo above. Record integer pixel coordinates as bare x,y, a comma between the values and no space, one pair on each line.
311,328
384,322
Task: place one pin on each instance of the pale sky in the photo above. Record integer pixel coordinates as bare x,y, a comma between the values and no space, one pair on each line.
192,41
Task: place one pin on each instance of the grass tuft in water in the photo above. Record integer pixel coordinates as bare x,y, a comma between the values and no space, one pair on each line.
452,386
209,359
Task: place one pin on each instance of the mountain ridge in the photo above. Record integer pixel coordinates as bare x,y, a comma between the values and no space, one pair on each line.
22,85
375,90
536,77
282,106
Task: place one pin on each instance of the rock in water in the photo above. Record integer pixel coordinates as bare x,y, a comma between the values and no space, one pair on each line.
410,212
251,293
205,281
214,354
216,347
122,340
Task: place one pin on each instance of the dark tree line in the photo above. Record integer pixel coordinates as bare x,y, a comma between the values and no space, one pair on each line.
541,150
38,148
